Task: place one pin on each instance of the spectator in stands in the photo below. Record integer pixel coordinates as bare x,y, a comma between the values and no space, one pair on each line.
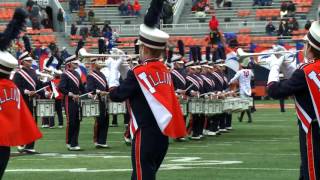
45,20
60,19
106,28
227,3
293,25
284,6
265,2
82,14
123,8
29,5
102,46
167,13
35,17
73,30
84,32
283,28
130,8
308,24
82,3
214,38
291,7
214,23
73,5
283,10
219,3
270,29
95,31
91,16
136,7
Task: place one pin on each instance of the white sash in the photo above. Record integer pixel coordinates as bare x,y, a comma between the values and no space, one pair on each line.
99,79
179,76
27,77
72,77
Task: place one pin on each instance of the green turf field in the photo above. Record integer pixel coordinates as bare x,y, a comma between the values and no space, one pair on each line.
267,149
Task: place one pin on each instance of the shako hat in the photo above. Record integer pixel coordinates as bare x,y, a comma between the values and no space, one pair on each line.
313,36
7,61
149,34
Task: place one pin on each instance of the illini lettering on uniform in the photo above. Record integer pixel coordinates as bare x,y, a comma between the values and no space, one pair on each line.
156,79
10,94
314,76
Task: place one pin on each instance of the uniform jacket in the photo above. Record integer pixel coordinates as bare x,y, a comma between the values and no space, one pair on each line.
68,85
179,79
130,89
296,86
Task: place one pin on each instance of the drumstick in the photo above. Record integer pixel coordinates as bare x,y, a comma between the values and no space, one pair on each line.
189,87
85,94
41,89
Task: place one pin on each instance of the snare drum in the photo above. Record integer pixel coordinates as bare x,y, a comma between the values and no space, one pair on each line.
45,107
195,106
237,105
117,107
184,106
227,105
90,108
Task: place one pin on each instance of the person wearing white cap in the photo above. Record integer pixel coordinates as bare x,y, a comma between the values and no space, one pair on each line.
152,100
28,83
17,126
193,88
97,84
178,75
71,87
303,83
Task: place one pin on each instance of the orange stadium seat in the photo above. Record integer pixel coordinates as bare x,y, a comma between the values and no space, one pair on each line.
243,13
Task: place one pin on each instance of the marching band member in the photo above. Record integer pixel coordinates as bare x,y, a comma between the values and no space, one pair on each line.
199,125
221,85
97,84
193,90
71,87
178,76
152,99
244,77
304,84
28,82
17,125
209,87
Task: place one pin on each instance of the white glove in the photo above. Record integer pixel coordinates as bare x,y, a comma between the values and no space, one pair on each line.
275,69
124,68
117,51
113,78
27,92
287,69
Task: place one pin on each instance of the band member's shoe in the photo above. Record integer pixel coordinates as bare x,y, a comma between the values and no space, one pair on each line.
229,128
68,146
205,132
30,151
250,121
20,149
75,148
60,126
181,139
223,130
44,126
114,125
210,133
195,137
51,127
98,146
